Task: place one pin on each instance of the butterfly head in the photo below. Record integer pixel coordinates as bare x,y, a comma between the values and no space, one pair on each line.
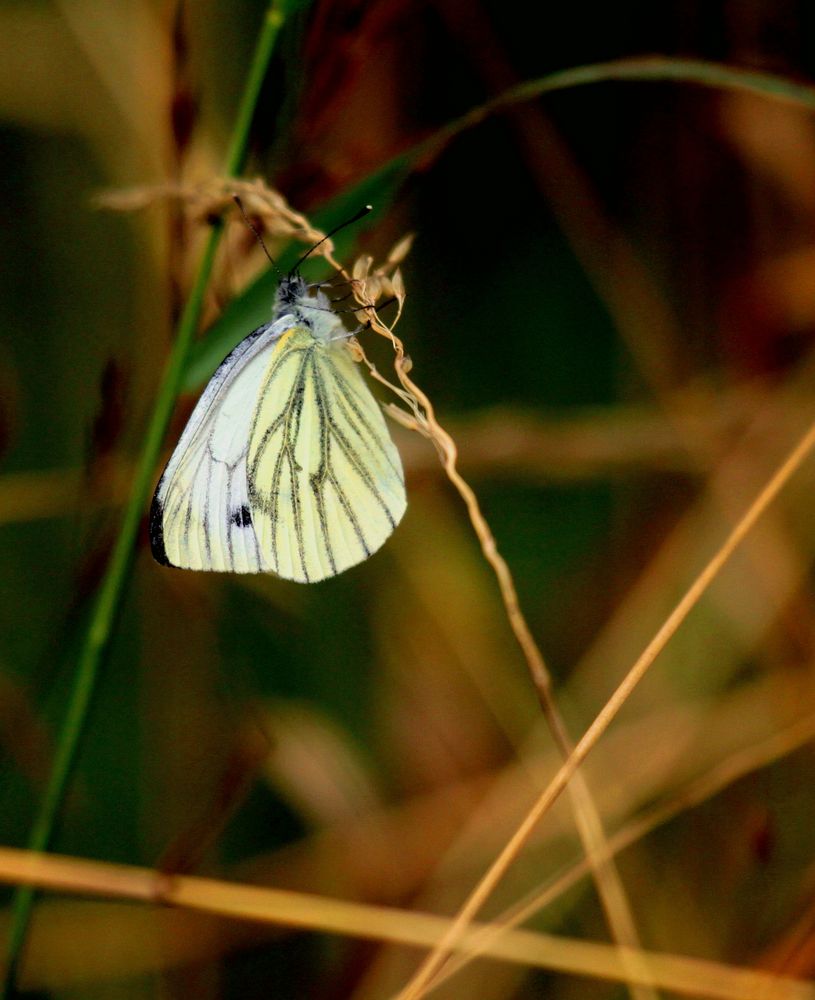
291,291
307,307
295,298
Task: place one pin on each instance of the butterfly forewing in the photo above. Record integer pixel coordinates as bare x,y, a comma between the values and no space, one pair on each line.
325,481
200,518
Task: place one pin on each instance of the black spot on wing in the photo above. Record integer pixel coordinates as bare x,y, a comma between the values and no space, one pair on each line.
156,529
241,516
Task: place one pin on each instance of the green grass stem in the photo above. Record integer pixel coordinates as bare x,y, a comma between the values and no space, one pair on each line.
664,69
111,590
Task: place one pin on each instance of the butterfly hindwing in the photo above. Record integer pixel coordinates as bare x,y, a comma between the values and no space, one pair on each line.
325,481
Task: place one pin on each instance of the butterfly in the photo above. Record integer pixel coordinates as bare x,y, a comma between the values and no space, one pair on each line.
286,465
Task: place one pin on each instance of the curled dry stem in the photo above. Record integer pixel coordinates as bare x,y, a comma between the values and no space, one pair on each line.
368,286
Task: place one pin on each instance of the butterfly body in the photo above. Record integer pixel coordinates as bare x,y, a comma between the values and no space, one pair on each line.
286,465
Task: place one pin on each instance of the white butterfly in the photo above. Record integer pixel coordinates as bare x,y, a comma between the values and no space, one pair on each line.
286,465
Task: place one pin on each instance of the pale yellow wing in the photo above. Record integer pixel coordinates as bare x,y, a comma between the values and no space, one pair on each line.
325,481
200,516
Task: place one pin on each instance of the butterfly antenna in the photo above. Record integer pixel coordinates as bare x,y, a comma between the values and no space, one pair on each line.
354,218
354,309
255,230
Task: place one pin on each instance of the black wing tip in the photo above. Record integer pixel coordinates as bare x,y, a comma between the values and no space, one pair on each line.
156,530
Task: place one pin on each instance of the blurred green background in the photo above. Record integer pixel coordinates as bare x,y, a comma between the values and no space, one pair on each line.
611,305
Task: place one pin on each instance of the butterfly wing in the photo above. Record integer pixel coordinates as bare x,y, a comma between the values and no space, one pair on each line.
326,486
200,517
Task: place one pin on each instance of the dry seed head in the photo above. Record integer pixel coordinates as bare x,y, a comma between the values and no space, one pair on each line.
215,198
355,349
373,287
361,268
397,284
400,249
